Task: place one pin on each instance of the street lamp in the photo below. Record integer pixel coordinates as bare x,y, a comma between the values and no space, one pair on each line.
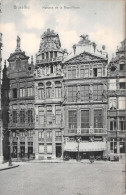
10,139
78,140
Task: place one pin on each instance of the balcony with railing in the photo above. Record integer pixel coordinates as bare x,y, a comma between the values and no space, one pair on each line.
43,61
87,131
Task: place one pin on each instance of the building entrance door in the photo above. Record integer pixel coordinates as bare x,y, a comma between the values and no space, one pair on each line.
22,149
58,150
30,152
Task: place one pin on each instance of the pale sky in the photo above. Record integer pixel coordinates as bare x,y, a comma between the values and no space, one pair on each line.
102,20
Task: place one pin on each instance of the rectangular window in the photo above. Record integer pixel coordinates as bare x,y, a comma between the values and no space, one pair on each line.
84,92
30,91
122,145
99,72
51,54
42,55
41,135
55,54
98,121
14,93
113,123
72,73
58,92
122,123
30,133
58,134
72,93
30,116
112,84
47,55
14,114
22,134
22,92
22,116
95,73
41,148
122,85
122,67
72,119
41,115
122,103
41,94
49,114
49,134
84,118
112,103
84,71
48,92
97,92
49,148
58,115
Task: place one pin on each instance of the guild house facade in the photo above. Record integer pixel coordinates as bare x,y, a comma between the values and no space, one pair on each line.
59,106
18,105
117,101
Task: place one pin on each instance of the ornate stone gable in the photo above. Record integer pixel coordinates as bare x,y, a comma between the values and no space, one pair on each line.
85,57
17,55
49,41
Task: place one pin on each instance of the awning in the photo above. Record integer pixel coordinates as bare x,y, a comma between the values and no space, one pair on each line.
85,146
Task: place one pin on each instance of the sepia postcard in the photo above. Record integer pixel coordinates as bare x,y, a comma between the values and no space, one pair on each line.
62,97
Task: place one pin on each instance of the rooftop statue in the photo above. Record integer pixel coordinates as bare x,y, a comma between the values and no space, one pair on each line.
18,42
84,39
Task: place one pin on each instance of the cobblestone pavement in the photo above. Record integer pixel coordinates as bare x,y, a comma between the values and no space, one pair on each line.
101,178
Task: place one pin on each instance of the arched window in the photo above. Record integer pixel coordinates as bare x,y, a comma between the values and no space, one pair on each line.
48,90
41,92
58,89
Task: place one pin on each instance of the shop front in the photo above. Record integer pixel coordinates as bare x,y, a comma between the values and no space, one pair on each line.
71,149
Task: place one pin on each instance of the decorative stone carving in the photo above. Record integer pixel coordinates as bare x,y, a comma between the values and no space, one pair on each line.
50,41
58,70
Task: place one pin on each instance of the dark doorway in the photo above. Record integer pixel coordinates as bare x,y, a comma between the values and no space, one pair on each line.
30,151
58,150
22,150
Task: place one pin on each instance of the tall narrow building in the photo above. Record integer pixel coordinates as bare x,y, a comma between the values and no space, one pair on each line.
49,97
117,102
18,87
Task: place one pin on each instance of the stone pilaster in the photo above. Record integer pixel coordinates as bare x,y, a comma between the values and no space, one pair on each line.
35,147
26,146
18,147
53,145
